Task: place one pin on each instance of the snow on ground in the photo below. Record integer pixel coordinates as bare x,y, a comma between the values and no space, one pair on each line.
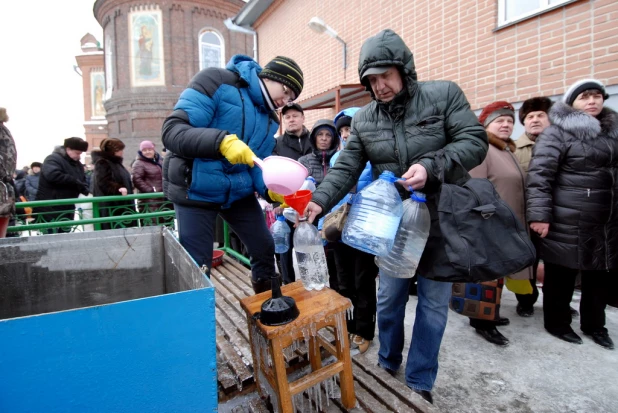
536,372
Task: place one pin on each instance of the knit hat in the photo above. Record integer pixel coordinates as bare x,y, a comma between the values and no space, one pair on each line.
37,164
146,145
343,121
581,86
111,145
538,104
285,71
495,110
77,144
291,105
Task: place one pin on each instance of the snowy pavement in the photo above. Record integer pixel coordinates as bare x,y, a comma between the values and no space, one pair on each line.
536,372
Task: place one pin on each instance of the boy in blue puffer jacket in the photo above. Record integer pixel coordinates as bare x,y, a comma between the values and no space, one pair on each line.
224,119
356,270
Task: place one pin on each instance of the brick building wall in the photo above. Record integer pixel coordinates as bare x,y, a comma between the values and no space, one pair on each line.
95,127
456,40
136,113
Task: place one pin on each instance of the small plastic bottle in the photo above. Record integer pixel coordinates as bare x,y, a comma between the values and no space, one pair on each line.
402,260
281,235
374,216
309,184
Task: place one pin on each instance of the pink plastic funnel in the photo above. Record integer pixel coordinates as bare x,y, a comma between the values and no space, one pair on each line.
282,175
299,200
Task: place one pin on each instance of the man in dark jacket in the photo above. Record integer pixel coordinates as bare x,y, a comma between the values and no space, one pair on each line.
294,143
62,176
572,199
222,121
32,180
399,131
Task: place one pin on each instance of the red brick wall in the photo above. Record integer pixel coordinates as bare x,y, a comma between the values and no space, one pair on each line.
450,40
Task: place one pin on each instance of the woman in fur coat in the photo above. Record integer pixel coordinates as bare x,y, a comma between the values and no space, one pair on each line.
572,203
110,178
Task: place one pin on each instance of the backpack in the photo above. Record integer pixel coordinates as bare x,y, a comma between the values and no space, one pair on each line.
484,240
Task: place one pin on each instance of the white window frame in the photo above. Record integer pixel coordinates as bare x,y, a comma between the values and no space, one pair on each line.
221,46
544,6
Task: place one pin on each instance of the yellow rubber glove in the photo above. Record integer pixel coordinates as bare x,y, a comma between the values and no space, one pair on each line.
277,198
236,151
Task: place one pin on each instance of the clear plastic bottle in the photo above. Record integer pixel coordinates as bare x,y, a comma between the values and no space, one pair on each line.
310,257
309,184
281,235
374,216
290,214
410,241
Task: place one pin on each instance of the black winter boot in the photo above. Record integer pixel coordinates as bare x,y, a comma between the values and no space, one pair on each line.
261,285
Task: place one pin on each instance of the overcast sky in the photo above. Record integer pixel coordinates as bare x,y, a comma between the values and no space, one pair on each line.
38,86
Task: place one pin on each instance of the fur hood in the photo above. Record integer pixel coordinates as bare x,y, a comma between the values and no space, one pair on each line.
501,144
583,125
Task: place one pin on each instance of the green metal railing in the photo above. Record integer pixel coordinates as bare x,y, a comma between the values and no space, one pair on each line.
157,212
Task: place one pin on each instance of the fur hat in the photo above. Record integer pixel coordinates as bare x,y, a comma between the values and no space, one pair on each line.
495,110
146,145
77,144
285,71
3,115
581,86
37,164
538,104
111,145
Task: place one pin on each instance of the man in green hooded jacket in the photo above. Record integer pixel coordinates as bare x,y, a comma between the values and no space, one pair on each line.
399,131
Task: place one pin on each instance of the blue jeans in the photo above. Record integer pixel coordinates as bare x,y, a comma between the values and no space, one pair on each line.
429,326
196,227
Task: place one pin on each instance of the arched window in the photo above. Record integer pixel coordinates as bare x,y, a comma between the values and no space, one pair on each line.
212,50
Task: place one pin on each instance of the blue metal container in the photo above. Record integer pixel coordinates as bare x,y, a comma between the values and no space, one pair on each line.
108,321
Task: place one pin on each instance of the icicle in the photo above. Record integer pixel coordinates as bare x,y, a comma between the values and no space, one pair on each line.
319,396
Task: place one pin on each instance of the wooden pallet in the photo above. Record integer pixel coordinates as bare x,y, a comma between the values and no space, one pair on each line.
376,390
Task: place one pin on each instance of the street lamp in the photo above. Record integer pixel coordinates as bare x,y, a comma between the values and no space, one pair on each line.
317,25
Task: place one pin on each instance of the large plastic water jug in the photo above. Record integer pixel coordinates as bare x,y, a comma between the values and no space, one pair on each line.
310,257
402,260
374,216
281,235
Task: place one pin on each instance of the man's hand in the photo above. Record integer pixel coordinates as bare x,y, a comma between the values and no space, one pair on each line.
236,151
312,211
123,191
541,228
416,177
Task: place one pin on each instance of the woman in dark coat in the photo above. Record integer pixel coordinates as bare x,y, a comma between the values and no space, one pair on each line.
572,203
147,176
325,141
111,178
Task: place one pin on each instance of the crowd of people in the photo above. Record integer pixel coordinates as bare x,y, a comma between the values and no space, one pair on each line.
560,179
63,176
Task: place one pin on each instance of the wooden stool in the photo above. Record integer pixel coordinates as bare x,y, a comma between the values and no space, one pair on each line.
318,309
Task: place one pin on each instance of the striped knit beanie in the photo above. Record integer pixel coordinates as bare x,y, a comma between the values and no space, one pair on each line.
285,71
582,86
